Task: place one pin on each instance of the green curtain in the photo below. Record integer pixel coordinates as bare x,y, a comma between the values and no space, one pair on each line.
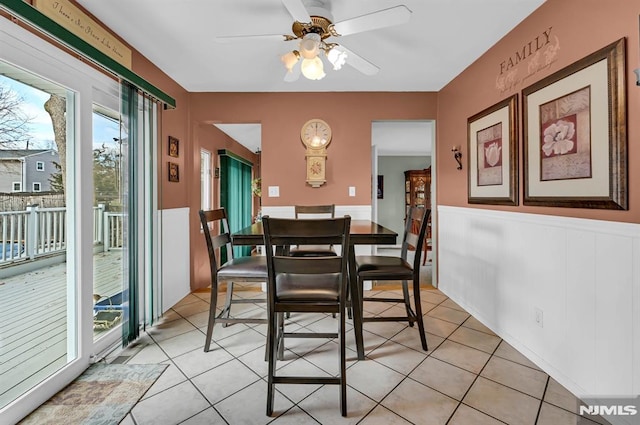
235,196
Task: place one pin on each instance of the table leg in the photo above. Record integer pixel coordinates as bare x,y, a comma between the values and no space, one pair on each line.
355,302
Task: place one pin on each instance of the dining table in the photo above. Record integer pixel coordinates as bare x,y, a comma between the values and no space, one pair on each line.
362,232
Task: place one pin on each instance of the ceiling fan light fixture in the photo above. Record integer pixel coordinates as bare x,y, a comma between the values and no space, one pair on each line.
337,57
310,46
290,59
313,69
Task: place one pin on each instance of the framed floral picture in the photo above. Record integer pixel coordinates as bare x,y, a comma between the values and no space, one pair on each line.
173,172
492,144
575,146
174,147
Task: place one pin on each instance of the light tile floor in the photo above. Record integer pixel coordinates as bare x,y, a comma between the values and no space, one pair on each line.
469,376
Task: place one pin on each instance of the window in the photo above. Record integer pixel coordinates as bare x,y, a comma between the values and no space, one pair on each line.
17,186
36,187
39,166
205,180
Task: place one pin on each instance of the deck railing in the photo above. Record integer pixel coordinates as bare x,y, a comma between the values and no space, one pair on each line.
38,232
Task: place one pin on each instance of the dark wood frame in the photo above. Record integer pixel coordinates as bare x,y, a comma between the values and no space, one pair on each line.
170,175
511,104
173,147
617,197
380,187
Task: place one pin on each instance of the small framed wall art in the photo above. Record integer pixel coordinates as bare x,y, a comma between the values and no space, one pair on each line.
173,172
493,154
174,147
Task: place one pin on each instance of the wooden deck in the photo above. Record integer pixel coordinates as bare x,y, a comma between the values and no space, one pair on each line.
33,321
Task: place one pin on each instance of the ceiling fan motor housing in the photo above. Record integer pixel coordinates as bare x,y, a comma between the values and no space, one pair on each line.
319,25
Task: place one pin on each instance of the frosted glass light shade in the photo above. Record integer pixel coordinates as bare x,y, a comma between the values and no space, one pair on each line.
313,69
290,59
310,46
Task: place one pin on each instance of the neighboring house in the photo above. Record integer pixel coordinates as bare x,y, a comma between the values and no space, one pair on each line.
27,170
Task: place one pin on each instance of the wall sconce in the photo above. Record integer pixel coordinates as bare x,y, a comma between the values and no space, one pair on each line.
458,156
637,71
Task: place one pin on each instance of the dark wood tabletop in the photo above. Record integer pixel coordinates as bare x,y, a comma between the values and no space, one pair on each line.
363,232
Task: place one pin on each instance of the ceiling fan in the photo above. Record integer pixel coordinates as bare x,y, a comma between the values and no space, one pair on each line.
313,26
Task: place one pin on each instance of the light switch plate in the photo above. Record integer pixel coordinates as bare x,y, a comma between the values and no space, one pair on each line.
352,191
274,191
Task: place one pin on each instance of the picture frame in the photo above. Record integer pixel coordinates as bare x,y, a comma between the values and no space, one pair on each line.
492,160
380,187
575,138
173,172
173,148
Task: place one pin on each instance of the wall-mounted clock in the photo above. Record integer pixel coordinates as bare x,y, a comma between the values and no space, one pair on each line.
315,133
316,136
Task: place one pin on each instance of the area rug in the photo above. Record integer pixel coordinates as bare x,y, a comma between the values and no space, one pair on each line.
102,395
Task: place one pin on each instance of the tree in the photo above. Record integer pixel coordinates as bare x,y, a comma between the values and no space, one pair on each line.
14,122
56,179
105,175
56,107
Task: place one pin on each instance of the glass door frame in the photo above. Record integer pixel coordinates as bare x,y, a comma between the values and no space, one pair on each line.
23,49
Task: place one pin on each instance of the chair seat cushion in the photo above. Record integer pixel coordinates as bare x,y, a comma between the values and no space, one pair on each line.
311,251
244,267
378,267
308,287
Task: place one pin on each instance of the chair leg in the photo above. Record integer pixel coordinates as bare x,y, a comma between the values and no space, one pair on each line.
272,343
343,365
407,303
227,304
356,305
280,335
212,315
416,300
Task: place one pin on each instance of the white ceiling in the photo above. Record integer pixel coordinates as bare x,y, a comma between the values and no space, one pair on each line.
440,40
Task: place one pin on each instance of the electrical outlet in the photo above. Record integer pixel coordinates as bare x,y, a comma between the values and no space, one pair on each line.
539,317
352,191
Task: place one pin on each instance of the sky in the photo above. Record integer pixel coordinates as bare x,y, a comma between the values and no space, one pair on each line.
40,128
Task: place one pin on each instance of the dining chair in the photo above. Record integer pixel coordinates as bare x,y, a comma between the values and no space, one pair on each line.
243,269
313,211
385,268
305,285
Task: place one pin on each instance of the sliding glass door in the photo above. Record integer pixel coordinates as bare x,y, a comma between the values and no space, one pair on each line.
66,229
39,294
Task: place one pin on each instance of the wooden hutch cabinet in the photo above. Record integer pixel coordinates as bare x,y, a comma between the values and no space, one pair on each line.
417,191
417,188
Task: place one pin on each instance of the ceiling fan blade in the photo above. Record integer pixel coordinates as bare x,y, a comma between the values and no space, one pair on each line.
360,63
293,75
260,37
382,18
297,10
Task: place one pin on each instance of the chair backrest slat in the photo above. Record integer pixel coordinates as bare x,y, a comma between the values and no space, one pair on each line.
328,210
300,265
414,233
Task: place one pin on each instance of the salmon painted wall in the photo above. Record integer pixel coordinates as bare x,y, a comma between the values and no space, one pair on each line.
579,27
281,116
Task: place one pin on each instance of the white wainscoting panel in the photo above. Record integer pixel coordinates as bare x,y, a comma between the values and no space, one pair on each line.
583,275
175,256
